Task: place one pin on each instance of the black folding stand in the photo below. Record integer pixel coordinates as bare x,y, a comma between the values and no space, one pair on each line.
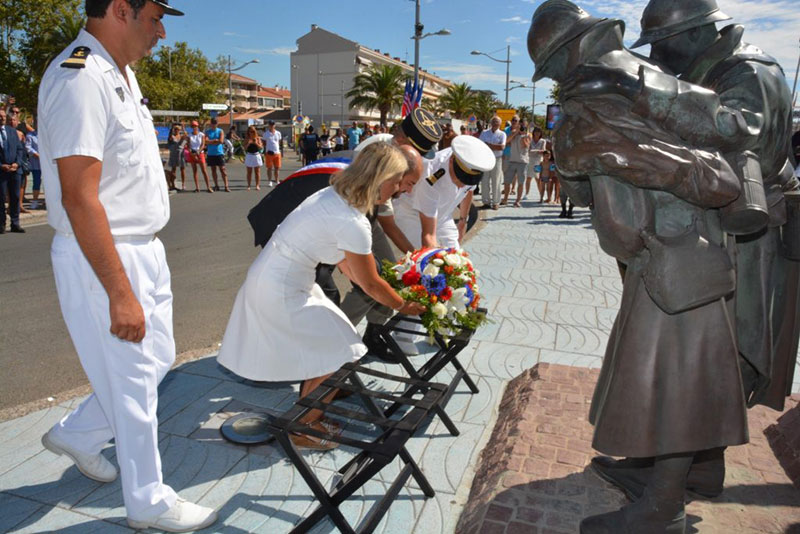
375,453
447,354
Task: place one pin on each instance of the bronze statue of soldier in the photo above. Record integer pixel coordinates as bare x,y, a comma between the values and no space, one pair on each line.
645,149
683,37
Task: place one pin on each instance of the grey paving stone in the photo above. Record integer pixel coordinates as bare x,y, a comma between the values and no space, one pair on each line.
524,332
182,399
581,296
16,512
571,314
503,361
546,291
54,519
581,340
24,442
570,358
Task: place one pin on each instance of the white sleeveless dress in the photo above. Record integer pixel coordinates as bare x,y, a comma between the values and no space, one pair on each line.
282,326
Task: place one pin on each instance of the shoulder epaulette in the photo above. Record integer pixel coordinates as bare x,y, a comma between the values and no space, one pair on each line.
432,179
77,60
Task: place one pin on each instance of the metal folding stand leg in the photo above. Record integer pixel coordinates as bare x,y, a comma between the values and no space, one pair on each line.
376,453
447,354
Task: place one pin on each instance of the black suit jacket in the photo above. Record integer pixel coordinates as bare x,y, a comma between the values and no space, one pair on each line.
13,150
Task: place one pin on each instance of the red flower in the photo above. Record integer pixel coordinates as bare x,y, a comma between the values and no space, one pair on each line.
448,269
411,277
446,294
469,268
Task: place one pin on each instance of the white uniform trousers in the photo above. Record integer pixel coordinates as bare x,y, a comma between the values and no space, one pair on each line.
492,184
124,375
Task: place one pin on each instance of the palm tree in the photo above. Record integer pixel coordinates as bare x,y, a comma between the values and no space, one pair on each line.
486,105
380,87
459,99
51,43
524,113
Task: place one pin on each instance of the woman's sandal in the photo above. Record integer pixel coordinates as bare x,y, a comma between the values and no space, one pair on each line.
305,441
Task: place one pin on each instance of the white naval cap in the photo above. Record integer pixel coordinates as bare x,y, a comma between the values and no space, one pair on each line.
377,138
473,158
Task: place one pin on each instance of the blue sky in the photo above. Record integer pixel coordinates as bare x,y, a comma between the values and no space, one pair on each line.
268,31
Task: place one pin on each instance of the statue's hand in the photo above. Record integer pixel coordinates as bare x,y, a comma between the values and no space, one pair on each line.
596,80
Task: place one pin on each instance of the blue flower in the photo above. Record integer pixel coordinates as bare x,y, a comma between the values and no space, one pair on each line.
470,293
426,282
438,283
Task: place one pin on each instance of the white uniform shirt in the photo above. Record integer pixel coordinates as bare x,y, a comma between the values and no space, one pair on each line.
272,141
438,201
494,138
92,112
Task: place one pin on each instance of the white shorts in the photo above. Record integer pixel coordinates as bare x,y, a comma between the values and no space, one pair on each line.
253,160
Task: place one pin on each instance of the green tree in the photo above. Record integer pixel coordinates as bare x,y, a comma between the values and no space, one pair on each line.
555,92
524,113
459,99
380,87
180,78
486,105
31,34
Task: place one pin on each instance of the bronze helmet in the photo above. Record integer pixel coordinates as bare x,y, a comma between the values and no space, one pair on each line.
555,24
665,18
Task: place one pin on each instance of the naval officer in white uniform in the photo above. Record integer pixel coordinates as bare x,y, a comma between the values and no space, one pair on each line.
425,215
107,200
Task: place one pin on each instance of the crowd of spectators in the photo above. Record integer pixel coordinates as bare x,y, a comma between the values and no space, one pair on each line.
19,161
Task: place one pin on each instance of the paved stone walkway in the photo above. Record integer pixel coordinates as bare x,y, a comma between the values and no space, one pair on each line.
552,294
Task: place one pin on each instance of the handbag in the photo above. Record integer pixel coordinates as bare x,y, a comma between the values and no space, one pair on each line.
686,271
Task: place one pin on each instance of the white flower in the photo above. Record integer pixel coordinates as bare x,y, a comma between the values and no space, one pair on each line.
438,262
459,299
431,270
439,310
454,260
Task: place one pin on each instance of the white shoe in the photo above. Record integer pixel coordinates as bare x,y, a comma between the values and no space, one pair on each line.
94,466
184,516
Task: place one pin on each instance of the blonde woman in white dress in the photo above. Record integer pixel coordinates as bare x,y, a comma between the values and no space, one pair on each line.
282,327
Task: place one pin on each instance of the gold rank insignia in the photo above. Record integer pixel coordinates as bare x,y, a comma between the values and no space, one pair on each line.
426,124
77,60
432,179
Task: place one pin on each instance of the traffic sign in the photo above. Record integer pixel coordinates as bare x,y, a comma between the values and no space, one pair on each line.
215,107
472,118
299,119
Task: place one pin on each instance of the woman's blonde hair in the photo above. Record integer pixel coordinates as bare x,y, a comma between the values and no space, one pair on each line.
360,183
251,129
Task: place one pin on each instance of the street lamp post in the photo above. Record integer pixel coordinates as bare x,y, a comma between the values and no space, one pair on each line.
533,94
507,61
321,78
230,84
794,89
418,36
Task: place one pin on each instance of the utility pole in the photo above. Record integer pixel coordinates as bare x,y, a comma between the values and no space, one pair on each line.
230,93
341,108
508,69
418,27
794,89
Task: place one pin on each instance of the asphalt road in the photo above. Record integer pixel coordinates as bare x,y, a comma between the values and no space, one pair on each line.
209,248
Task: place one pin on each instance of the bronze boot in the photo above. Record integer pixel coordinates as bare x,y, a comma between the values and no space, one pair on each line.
706,476
660,510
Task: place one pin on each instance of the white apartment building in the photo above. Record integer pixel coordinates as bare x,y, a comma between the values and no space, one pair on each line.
322,72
